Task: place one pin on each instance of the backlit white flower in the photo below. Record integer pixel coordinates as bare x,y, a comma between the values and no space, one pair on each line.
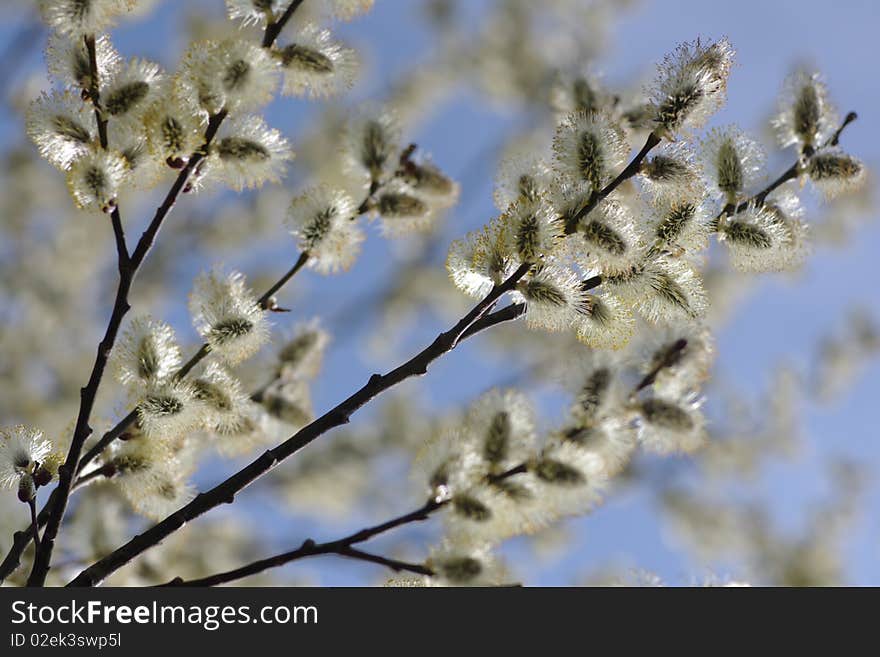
95,178
593,379
148,353
589,148
787,211
672,172
402,210
430,183
323,220
290,401
61,126
679,226
20,449
372,144
554,297
226,315
670,424
247,153
806,117
500,426
223,400
732,162
315,65
605,322
678,355
68,60
834,172
168,410
448,463
606,239
254,12
143,167
492,512
301,354
610,439
580,93
235,75
152,474
756,239
80,17
570,477
691,85
456,565
522,175
482,259
173,129
533,229
661,289
130,92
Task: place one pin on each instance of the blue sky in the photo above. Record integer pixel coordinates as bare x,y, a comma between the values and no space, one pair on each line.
782,320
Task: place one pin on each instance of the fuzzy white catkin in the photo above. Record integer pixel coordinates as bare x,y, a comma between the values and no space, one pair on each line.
20,448
226,315
323,220
247,153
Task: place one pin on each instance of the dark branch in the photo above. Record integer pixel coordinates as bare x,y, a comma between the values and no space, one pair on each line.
628,172
52,513
225,492
343,546
264,300
35,529
791,173
274,28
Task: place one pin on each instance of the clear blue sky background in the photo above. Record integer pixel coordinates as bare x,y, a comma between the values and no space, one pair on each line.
782,321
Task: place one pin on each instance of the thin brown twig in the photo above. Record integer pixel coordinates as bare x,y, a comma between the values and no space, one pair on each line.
628,172
224,493
274,28
343,546
128,267
35,528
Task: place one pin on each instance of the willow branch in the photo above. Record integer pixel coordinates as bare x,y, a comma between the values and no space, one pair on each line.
791,173
628,172
35,529
224,493
264,302
127,270
308,549
274,28
343,546
52,512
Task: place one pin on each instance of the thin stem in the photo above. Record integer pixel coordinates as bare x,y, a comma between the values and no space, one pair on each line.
95,89
104,471
835,138
274,28
343,546
263,301
224,493
83,429
394,564
187,367
791,173
114,433
52,513
628,172
35,529
671,357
